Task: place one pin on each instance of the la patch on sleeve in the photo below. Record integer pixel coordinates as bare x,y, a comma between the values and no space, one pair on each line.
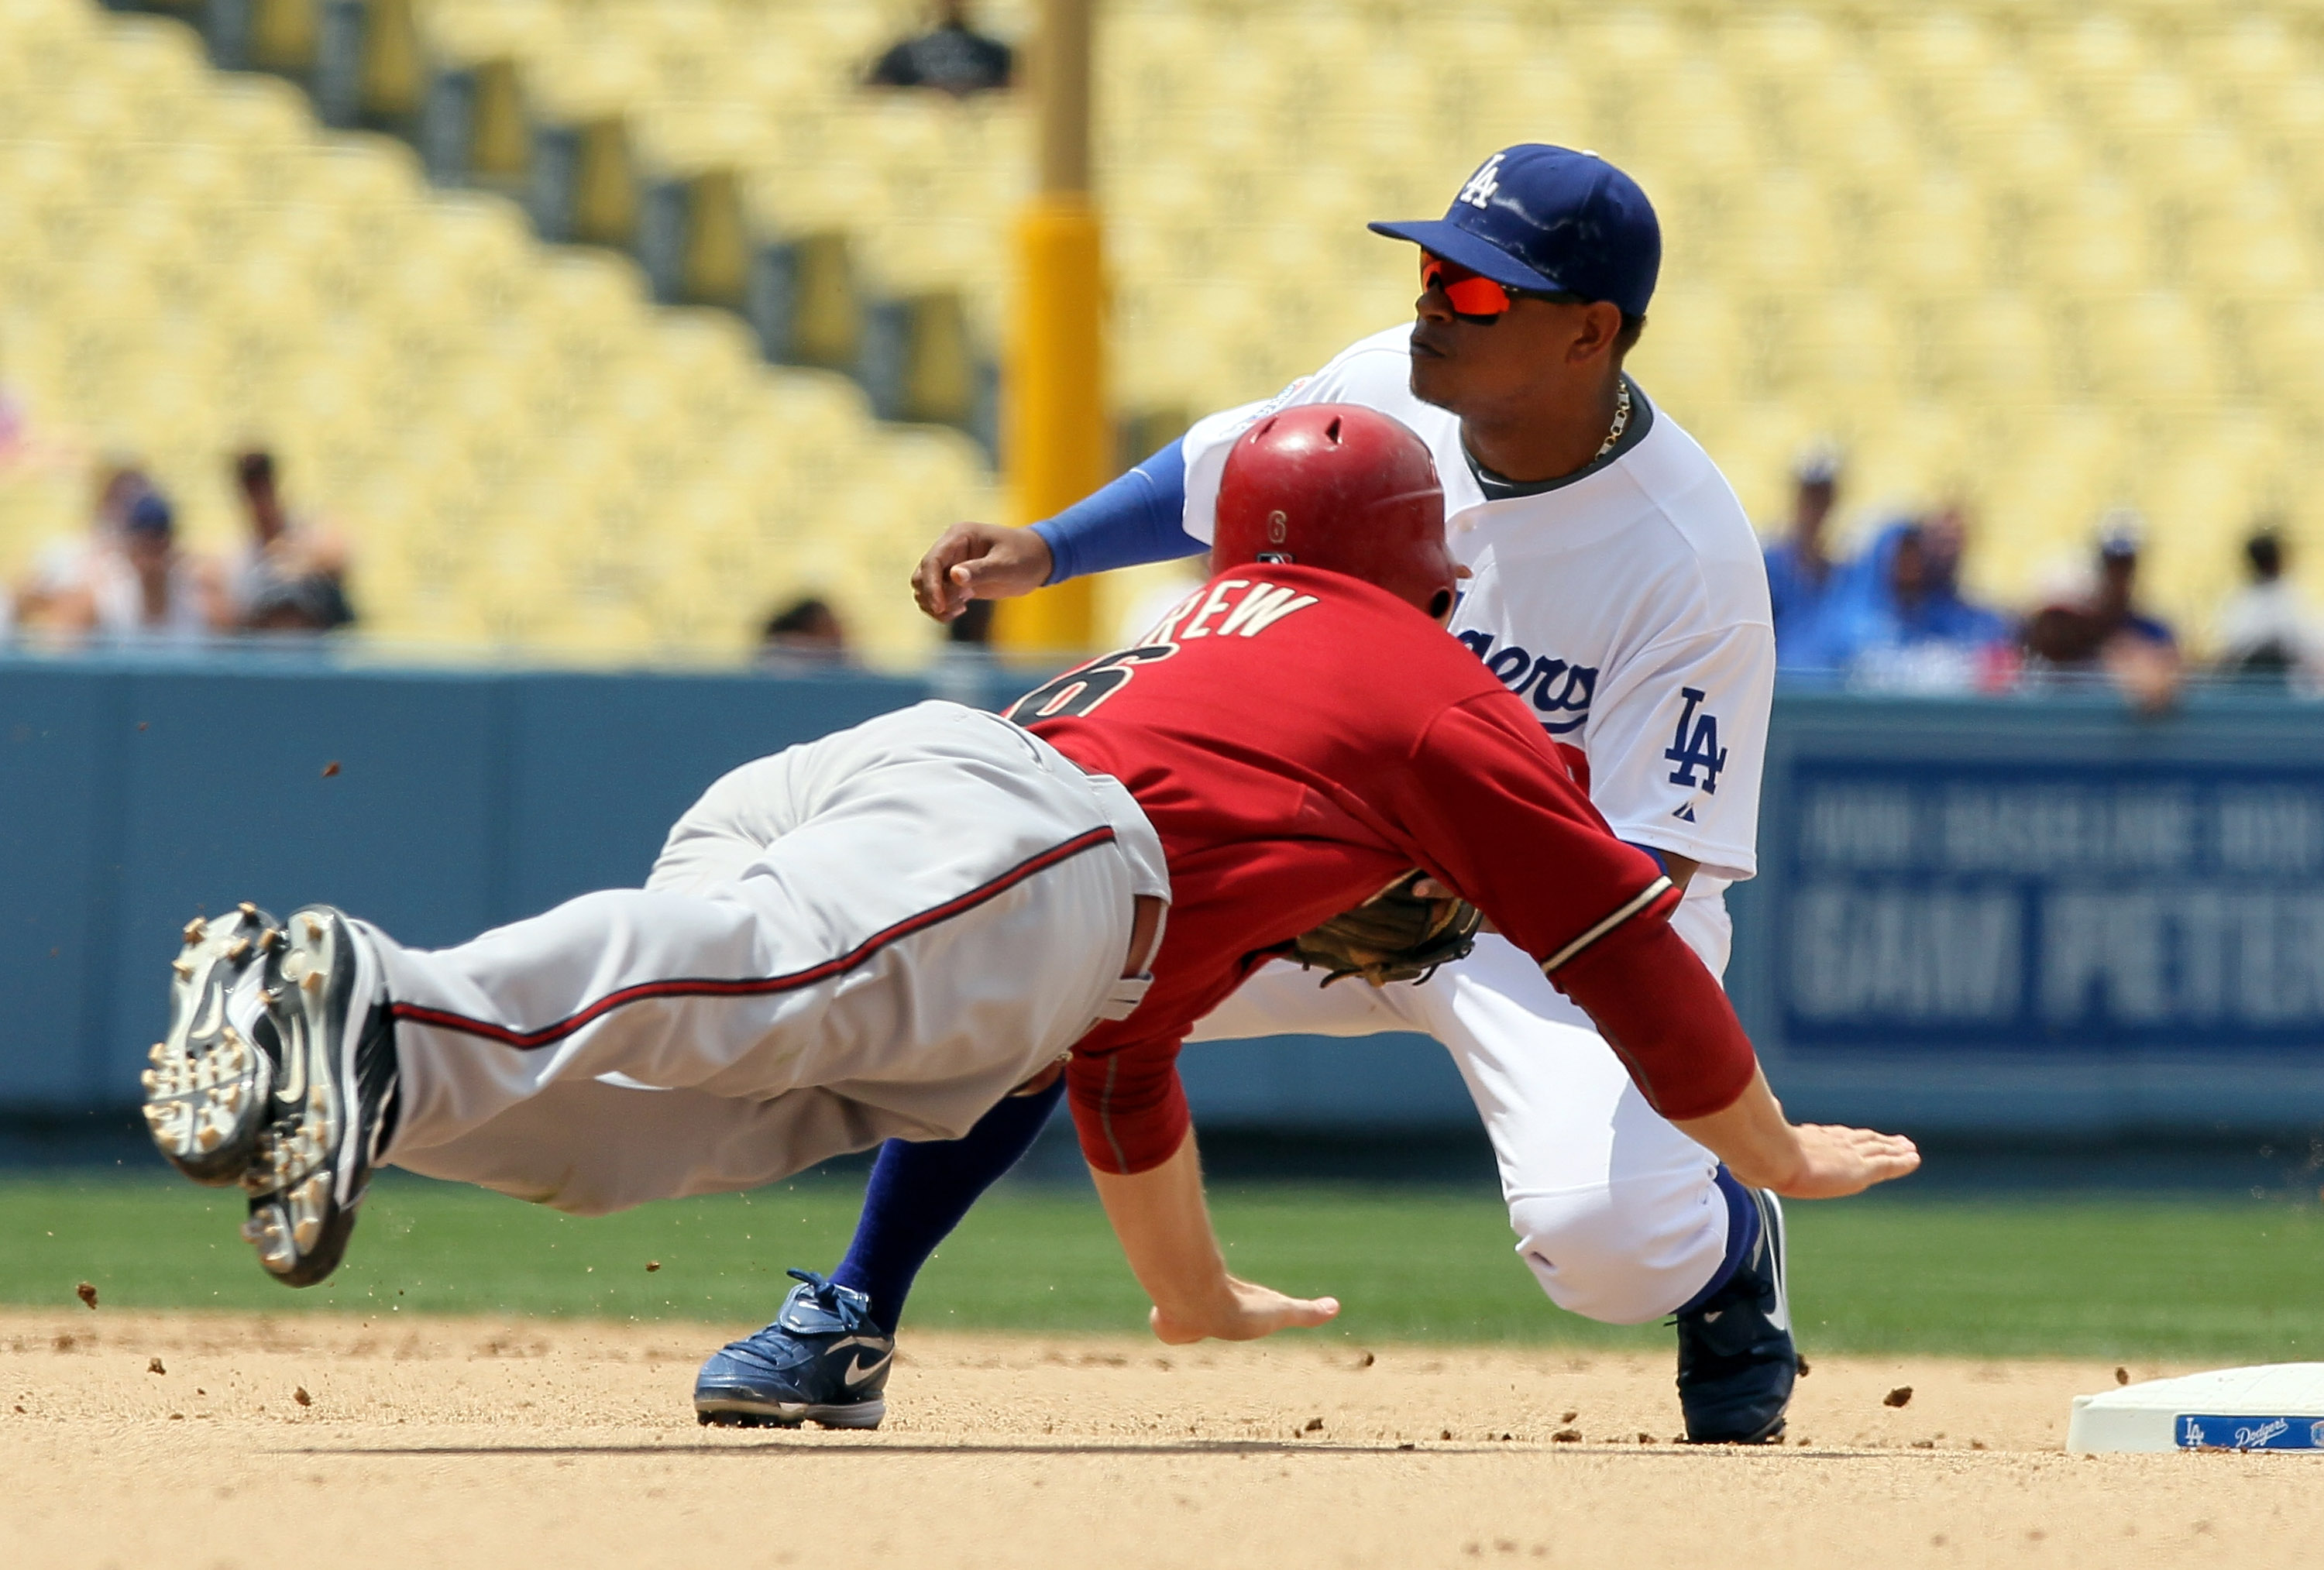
1695,749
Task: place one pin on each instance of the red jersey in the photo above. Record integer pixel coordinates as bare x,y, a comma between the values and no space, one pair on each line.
1299,740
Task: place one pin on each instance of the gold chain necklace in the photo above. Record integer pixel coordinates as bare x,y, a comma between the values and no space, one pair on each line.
1621,420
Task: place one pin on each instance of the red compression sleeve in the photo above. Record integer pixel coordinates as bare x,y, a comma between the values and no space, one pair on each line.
1665,1017
1128,1106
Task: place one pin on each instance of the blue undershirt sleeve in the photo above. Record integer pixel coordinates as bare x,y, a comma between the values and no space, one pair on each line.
1135,518
1652,854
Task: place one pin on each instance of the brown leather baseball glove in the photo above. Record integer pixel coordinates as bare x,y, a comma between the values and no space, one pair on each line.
1394,936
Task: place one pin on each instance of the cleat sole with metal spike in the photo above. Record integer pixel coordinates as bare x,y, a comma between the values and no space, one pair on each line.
323,997
207,1087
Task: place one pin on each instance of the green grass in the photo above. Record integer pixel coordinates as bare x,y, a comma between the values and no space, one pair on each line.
2239,1280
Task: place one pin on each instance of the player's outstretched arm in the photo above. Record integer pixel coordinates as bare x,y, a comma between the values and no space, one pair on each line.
979,561
1674,1030
1800,1160
1165,1229
1137,517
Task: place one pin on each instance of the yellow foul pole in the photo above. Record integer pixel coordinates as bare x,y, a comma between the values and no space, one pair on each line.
1055,435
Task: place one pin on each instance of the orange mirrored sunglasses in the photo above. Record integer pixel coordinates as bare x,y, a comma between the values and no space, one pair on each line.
1471,294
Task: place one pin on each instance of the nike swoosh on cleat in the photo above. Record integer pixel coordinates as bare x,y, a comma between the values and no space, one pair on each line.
293,1089
212,1017
856,1372
181,1028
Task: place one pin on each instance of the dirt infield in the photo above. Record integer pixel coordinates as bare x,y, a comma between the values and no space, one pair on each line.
138,1440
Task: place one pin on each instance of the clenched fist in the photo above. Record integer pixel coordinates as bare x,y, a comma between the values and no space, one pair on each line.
979,561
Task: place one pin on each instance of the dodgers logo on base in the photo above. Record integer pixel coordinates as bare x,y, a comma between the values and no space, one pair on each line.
2198,1432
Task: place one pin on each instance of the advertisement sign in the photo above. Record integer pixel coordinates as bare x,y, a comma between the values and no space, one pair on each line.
2039,905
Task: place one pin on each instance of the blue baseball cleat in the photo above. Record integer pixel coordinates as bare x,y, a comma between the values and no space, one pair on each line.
822,1361
1735,1361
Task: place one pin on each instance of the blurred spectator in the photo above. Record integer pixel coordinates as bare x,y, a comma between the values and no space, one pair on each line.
953,58
2264,631
53,595
1900,622
1801,577
292,576
311,604
2106,630
972,627
128,582
143,590
807,631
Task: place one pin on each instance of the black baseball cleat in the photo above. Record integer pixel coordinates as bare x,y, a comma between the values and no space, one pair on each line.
822,1361
333,1107
208,1086
1735,1361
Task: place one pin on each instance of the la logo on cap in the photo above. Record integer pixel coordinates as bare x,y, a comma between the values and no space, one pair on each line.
1478,191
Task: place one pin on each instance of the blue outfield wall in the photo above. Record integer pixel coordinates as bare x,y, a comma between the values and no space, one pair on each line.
2011,916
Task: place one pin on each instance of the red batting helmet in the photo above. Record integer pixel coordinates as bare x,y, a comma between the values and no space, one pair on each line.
1340,487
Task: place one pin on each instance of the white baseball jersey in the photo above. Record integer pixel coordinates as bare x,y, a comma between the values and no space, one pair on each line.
1628,605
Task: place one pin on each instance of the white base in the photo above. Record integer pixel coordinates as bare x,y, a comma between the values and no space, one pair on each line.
2275,1405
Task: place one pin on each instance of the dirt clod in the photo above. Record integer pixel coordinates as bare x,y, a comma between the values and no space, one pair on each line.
1366,1360
153,1366
652,1265
1901,1396
1801,1364
2122,1376
301,1397
1568,1417
1566,1436
86,1294
1315,1426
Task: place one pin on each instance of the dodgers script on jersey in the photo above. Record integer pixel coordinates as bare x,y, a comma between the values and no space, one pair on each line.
1299,739
1628,609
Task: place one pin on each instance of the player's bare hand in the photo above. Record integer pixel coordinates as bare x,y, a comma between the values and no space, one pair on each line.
1800,1160
1247,1312
979,561
1835,1160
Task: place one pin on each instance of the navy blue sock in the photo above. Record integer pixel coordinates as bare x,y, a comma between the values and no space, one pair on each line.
920,1190
1742,1236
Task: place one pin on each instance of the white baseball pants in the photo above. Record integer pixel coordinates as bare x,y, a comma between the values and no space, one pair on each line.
1614,1210
878,934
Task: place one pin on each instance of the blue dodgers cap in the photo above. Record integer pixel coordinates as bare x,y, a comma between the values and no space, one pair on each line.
1552,220
149,514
